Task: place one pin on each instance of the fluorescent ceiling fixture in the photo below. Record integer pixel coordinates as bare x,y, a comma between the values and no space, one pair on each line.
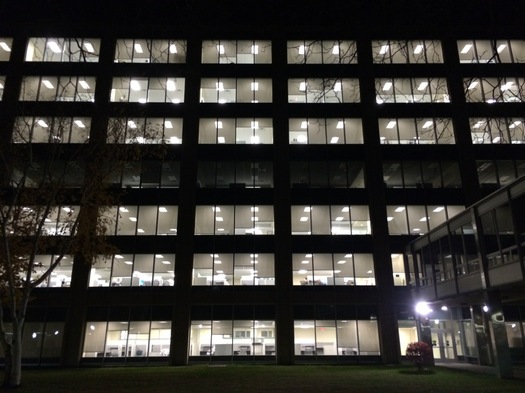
389,218
220,49
516,123
337,86
219,218
416,229
173,48
342,262
254,209
138,48
119,256
428,124
123,209
255,125
133,219
305,262
142,100
219,86
218,124
5,47
491,101
391,124
89,47
387,86
1,86
496,140
254,86
302,50
216,209
218,262
128,262
303,219
67,209
383,49
166,262
302,86
478,124
42,123
254,255
254,139
334,139
501,48
466,48
168,124
399,209
221,139
255,49
255,218
303,271
131,124
307,209
140,230
222,101
304,125
422,86
135,85
159,256
340,124
438,209
163,209
214,255
170,85
54,46
339,218
379,100
335,50
423,219
84,84
507,86
302,139
80,124
47,84
418,49
472,85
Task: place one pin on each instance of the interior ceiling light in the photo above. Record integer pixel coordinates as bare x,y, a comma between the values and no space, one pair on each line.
472,85
501,48
428,124
255,49
387,86
84,85
399,209
302,86
170,85
391,124
47,84
302,50
383,50
340,125
89,47
42,123
466,48
54,46
168,124
220,49
173,48
254,86
418,49
335,50
138,48
135,85
422,86
80,124
5,47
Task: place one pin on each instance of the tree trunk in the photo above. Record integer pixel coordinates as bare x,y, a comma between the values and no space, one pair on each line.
13,360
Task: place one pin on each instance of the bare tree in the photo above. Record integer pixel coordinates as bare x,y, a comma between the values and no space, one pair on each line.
53,197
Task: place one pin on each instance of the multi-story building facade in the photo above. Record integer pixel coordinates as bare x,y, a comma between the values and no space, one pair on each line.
299,159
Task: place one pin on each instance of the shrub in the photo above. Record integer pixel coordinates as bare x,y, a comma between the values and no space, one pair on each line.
419,353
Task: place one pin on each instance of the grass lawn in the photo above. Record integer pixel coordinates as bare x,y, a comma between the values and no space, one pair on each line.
270,378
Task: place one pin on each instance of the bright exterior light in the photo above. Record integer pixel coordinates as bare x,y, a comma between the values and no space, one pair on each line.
485,308
423,308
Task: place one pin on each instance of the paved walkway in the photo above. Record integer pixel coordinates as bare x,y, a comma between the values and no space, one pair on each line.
519,371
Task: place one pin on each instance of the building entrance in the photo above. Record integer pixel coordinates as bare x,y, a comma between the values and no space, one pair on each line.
443,347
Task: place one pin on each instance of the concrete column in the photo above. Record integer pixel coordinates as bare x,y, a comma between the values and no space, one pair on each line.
498,334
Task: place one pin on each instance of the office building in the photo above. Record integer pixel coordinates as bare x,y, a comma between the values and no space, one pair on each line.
304,147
